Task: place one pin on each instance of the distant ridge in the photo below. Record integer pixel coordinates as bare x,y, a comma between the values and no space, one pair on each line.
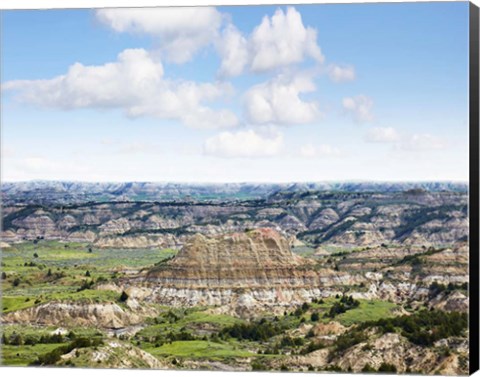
69,192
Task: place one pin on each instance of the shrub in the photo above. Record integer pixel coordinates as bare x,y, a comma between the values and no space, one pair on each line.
368,368
258,365
388,368
86,285
123,296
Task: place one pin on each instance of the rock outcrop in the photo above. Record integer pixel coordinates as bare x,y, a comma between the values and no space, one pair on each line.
257,258
246,272
107,315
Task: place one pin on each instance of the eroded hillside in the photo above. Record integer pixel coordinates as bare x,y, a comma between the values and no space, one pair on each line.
294,278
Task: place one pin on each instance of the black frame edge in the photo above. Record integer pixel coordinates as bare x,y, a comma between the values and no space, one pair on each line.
474,187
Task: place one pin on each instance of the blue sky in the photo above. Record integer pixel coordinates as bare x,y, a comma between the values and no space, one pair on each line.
250,93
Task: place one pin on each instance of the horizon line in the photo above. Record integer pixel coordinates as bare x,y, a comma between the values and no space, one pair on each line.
240,182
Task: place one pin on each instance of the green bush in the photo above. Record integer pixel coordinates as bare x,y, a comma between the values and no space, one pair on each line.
387,368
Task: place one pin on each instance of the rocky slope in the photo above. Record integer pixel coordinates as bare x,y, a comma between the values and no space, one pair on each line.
315,218
106,315
256,258
114,354
241,273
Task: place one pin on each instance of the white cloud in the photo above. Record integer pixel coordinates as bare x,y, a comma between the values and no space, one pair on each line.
282,40
422,142
279,41
322,150
382,135
278,102
233,48
134,83
244,143
359,107
339,73
182,31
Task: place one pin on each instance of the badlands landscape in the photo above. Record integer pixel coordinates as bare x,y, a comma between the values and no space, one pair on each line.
353,277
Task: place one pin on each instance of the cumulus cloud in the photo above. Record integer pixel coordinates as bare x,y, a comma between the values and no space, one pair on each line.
244,143
322,150
278,101
422,142
339,73
282,40
181,31
233,48
382,135
359,107
134,83
279,41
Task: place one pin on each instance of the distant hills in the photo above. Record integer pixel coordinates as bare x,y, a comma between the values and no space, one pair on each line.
68,192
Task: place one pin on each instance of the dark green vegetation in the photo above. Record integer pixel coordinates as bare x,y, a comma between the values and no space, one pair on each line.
52,357
423,328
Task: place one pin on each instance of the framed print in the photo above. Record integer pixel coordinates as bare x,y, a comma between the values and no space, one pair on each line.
241,188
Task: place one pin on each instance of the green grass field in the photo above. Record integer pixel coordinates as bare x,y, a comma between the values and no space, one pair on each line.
367,311
195,349
24,355
52,270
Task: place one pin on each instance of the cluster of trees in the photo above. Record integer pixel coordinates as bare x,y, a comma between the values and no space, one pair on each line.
345,303
298,312
437,288
16,339
55,275
257,331
86,285
312,346
288,341
347,340
182,335
425,327
52,357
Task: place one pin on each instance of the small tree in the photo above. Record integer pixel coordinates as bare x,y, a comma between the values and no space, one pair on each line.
35,255
87,273
16,340
315,317
49,273
123,296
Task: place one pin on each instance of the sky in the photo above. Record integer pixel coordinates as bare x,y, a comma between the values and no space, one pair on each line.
345,92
